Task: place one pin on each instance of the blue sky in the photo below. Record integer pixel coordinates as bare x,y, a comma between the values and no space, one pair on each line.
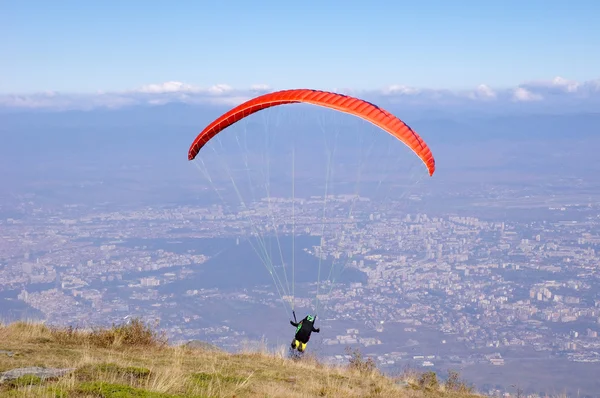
85,46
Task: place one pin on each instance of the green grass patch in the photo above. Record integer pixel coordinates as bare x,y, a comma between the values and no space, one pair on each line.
93,372
25,380
110,390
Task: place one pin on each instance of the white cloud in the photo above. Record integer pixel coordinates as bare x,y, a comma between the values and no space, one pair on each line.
591,86
482,92
524,95
558,91
556,85
158,101
58,101
569,85
220,89
260,87
401,89
167,87
345,91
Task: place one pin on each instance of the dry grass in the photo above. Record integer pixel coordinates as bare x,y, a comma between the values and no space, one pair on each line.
133,360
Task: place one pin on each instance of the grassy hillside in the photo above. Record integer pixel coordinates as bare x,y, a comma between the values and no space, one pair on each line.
135,361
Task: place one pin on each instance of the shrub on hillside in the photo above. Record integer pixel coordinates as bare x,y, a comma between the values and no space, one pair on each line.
359,363
132,334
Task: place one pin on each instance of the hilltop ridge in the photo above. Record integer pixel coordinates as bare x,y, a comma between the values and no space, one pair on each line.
134,360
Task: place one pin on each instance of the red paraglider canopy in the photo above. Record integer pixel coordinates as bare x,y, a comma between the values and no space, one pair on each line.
343,103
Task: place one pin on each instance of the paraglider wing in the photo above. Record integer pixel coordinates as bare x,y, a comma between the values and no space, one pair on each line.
343,103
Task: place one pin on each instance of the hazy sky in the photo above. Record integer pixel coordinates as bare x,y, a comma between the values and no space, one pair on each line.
85,46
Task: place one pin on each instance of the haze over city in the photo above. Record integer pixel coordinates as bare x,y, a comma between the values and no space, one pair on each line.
489,266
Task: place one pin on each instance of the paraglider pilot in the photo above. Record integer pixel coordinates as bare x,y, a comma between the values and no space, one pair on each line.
304,328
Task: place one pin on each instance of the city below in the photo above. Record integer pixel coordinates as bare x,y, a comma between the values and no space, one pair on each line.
440,291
